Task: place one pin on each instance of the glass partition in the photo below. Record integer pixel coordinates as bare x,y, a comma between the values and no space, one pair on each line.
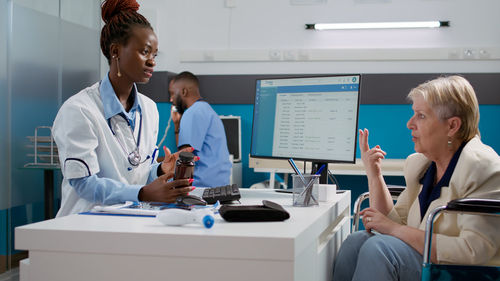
4,133
49,50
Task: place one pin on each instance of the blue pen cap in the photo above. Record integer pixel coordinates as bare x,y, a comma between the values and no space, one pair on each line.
208,221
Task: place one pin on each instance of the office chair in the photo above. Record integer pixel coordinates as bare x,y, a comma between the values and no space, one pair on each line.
443,272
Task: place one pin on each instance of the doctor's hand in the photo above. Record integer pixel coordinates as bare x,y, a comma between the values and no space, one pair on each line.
372,158
168,164
161,190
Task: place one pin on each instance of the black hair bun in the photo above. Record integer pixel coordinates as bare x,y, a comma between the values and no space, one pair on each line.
110,8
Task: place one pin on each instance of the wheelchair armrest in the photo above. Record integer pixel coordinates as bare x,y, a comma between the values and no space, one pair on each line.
395,190
468,205
474,205
357,209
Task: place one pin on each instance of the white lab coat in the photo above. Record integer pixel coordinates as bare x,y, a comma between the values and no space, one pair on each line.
87,146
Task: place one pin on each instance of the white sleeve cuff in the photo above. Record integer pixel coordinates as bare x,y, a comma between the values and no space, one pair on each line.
76,168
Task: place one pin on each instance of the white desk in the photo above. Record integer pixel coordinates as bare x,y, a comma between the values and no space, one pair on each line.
90,247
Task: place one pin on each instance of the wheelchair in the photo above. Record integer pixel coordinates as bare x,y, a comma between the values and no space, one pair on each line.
394,190
446,272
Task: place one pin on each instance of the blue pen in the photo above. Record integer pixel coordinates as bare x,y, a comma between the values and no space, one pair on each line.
297,171
320,169
317,173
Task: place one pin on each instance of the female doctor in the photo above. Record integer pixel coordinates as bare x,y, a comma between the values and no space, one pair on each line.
106,134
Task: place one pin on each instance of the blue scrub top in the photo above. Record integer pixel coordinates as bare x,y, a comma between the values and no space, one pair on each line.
202,129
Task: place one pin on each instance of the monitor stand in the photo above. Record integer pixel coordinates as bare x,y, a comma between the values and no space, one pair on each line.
323,178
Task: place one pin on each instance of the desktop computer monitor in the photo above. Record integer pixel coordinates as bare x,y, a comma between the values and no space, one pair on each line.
307,118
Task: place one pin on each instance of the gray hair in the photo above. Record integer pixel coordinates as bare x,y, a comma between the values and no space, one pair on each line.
449,97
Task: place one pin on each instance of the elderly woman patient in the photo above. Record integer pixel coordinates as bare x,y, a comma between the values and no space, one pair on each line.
451,162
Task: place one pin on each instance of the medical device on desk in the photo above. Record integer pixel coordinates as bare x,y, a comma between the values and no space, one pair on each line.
136,208
168,214
176,217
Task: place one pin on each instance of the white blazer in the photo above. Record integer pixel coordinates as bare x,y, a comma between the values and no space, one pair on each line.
460,239
87,146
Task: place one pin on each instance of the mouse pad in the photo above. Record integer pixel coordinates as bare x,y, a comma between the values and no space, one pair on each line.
268,211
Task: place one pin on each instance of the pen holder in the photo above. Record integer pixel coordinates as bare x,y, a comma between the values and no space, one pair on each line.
305,190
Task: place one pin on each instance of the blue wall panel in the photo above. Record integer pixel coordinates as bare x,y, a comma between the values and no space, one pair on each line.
488,125
387,125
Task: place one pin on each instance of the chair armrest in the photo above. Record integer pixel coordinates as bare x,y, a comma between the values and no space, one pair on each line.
395,190
474,205
357,209
467,205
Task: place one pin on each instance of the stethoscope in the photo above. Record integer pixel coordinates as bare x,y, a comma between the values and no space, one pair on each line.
134,157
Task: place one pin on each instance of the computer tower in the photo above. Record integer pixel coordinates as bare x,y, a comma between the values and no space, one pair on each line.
232,126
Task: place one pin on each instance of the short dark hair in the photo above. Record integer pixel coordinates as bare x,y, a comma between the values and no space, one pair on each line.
120,17
186,76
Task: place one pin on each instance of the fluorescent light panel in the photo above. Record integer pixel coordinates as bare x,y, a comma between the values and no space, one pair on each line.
378,25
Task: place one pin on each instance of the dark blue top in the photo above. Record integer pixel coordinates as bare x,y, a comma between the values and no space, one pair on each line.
432,192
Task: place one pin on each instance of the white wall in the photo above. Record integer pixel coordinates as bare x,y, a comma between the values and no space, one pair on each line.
268,36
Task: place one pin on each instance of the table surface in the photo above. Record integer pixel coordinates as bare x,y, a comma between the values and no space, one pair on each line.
97,247
108,234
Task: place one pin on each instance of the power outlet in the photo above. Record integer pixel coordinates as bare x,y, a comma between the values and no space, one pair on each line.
484,54
469,54
208,56
303,55
275,55
454,54
289,55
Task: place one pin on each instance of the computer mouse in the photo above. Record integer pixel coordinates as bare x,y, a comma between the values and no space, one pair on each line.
191,200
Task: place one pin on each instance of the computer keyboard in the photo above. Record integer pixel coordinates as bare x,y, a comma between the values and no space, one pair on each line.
223,194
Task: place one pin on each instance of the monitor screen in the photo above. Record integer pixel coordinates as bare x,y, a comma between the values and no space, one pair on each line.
306,118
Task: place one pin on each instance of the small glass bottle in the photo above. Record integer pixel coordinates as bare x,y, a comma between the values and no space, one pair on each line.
184,166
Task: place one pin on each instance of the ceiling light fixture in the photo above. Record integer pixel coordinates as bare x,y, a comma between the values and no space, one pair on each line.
377,25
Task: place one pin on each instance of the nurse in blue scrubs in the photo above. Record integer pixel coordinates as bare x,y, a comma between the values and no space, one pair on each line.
198,126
